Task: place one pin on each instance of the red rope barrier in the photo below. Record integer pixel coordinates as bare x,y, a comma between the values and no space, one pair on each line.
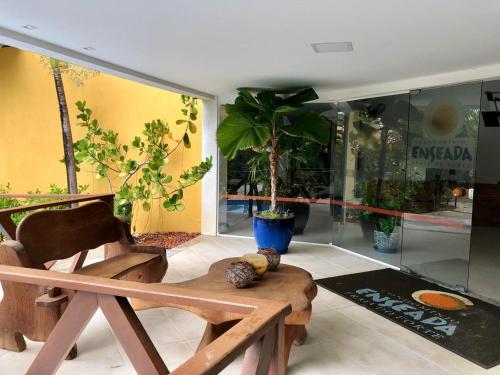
417,217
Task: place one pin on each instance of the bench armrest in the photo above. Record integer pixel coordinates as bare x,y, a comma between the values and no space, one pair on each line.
12,253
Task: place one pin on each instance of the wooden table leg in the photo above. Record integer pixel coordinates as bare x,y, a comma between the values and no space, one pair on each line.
213,331
290,335
301,335
259,356
278,364
294,334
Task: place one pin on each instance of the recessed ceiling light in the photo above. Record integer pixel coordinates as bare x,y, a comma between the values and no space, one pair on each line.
332,47
30,27
89,48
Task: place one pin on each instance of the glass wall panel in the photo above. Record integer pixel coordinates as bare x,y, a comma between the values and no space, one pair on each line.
484,268
441,156
369,176
398,184
304,187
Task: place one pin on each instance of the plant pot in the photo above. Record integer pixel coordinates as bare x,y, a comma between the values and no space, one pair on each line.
385,243
367,227
301,212
273,233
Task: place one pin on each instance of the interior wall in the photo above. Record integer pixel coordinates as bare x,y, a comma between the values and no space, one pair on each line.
30,134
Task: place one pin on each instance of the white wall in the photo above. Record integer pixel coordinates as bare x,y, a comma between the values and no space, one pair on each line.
209,188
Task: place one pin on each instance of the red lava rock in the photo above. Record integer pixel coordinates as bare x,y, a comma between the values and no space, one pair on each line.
167,240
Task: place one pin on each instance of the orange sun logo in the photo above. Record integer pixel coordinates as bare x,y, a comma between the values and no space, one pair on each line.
441,300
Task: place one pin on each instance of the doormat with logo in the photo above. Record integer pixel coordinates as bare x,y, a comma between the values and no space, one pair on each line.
464,325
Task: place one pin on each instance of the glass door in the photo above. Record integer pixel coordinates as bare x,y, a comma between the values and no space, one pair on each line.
441,157
369,176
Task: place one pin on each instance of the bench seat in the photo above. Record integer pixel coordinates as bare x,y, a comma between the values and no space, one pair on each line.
118,266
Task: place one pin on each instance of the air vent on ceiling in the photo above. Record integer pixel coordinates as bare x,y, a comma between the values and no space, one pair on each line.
332,47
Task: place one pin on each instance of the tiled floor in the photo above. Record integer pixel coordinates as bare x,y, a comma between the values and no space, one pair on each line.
344,338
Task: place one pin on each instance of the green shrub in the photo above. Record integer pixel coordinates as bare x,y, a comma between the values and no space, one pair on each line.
15,202
137,171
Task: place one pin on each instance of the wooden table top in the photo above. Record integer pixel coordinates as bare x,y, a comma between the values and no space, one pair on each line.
288,284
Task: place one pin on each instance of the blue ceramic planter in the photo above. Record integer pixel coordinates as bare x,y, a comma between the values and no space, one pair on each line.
274,233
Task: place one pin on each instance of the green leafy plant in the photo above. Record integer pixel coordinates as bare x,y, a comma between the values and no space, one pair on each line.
386,224
272,214
54,189
140,166
260,119
7,202
300,175
392,196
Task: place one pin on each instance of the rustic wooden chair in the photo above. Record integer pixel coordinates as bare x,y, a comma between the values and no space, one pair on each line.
50,235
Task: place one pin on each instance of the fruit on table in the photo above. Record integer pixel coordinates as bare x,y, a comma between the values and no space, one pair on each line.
259,263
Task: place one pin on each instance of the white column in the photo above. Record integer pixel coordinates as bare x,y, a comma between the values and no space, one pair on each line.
210,183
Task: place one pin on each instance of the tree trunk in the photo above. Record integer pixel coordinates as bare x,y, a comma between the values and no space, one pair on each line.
69,154
273,163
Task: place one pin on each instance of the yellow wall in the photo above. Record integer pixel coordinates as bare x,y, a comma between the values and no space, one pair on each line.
30,131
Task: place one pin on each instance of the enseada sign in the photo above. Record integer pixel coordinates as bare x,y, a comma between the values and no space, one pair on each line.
457,153
440,146
421,318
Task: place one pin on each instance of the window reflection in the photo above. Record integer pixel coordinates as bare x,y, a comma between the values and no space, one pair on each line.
443,131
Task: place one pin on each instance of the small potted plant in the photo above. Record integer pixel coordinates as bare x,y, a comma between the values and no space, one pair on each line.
261,119
385,235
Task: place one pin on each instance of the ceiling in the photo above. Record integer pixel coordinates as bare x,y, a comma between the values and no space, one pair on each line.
215,46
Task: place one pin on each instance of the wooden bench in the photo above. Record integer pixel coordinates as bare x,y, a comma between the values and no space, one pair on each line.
46,236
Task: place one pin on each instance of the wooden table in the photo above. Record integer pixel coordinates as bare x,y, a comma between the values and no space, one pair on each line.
287,284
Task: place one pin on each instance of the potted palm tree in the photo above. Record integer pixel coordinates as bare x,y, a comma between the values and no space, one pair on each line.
298,177
261,119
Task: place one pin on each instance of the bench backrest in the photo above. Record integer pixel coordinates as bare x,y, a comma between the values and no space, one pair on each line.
59,234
